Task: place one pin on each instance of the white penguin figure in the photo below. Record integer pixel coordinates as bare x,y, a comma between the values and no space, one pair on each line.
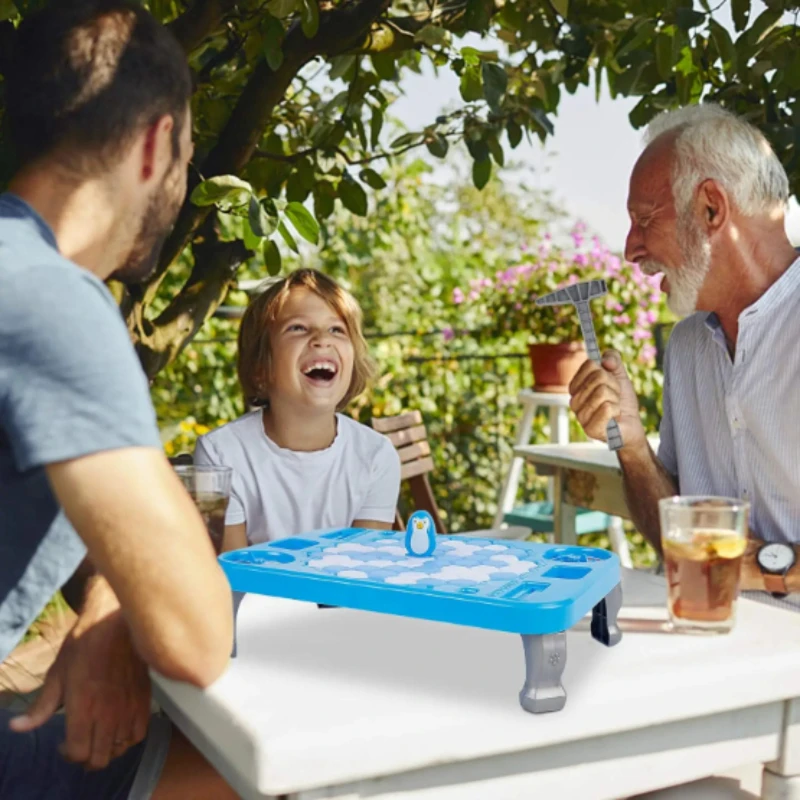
420,534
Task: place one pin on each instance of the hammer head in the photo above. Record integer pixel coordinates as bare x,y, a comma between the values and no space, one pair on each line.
576,293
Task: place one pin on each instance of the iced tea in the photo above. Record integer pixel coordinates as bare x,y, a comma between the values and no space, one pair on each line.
703,576
212,509
704,540
210,488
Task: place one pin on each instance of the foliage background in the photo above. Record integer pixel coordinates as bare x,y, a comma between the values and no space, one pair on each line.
427,237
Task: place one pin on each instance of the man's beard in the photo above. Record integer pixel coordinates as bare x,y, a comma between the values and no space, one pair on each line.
685,284
156,224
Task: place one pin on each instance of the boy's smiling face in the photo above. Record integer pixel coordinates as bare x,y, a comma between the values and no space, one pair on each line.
312,354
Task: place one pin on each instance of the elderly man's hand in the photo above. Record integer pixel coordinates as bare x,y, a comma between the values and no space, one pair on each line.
102,683
604,392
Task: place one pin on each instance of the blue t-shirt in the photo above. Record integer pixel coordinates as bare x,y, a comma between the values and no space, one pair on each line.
70,385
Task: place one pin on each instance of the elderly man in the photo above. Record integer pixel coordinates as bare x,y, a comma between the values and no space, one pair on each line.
706,201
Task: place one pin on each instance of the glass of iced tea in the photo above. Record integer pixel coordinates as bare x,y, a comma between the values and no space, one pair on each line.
704,539
210,488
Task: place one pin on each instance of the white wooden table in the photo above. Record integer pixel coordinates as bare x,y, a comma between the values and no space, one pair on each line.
346,704
585,475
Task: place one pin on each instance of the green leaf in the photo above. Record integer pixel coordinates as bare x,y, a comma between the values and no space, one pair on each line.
252,241
340,66
324,196
372,178
353,196
471,56
481,172
727,51
384,65
496,149
362,134
664,60
495,83
740,10
471,86
272,257
309,18
222,189
514,131
561,6
438,146
687,18
763,24
375,125
405,140
272,31
7,10
283,8
261,222
433,35
303,222
478,149
287,237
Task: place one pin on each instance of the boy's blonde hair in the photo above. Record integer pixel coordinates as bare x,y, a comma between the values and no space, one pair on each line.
254,361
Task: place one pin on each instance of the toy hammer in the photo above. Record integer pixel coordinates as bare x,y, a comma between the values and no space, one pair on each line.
580,295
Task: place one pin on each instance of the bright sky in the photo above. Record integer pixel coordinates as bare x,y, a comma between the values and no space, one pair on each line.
586,163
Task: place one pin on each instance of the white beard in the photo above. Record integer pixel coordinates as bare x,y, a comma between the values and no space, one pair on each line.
685,284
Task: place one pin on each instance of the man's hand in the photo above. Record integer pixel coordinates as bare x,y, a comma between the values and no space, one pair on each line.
604,392
102,683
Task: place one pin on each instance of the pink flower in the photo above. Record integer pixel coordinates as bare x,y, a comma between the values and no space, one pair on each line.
473,295
622,319
458,296
647,354
573,278
577,239
518,306
612,305
448,334
581,259
524,247
640,335
651,317
655,297
613,265
552,266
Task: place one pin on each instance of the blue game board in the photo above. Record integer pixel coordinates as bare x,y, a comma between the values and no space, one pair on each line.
536,590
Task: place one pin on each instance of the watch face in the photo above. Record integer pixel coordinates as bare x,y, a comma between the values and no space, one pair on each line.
775,557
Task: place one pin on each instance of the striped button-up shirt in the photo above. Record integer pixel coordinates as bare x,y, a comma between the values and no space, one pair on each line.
731,425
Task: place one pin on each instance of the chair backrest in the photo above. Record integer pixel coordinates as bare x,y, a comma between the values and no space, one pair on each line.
182,460
407,433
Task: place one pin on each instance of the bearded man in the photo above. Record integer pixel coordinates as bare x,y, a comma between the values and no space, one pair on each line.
707,199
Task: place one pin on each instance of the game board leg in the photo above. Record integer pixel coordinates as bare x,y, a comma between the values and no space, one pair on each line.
545,659
237,599
604,618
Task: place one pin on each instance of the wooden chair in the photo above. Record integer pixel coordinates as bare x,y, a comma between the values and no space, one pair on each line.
407,433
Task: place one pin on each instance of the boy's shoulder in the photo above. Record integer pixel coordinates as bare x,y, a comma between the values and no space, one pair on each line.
362,435
239,429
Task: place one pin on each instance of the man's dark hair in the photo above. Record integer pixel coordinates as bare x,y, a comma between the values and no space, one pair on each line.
87,75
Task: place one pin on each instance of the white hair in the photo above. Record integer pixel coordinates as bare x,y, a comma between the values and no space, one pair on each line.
714,143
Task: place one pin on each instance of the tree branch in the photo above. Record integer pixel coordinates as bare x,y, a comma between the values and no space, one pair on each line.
216,264
264,90
201,19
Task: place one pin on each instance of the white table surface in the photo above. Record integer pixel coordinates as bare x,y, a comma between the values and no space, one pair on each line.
322,700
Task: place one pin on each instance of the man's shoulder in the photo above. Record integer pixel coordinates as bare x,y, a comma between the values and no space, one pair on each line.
689,331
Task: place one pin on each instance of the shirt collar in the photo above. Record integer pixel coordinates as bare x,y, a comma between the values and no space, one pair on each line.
15,207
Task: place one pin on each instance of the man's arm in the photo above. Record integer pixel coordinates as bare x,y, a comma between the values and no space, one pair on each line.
601,392
645,481
145,536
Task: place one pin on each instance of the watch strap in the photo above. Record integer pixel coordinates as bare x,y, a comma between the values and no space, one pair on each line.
775,584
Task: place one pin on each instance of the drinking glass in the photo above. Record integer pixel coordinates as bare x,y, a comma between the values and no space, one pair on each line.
704,539
210,488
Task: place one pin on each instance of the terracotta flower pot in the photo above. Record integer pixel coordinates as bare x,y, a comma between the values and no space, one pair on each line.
555,365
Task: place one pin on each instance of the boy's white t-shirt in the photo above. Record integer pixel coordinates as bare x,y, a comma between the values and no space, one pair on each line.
280,492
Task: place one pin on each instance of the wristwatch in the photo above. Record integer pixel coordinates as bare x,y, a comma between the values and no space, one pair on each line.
775,559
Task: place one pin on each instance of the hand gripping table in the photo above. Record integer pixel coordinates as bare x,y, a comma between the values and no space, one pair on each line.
536,590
